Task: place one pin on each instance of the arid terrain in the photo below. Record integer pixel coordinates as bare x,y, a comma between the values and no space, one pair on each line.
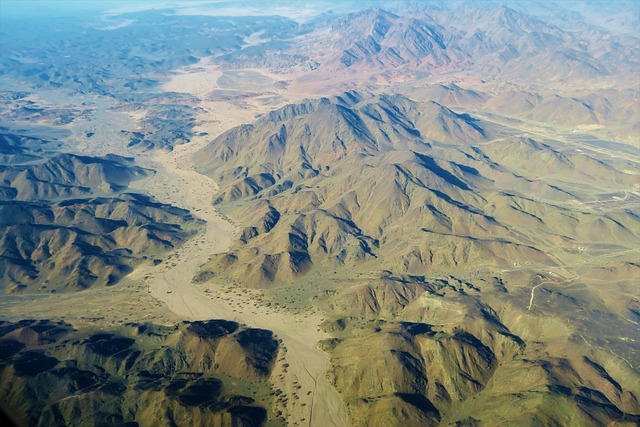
332,214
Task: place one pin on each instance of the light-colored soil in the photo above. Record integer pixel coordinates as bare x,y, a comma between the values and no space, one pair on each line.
199,83
311,399
165,293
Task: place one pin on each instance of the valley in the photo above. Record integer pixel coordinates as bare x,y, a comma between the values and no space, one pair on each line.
176,183
318,402
416,214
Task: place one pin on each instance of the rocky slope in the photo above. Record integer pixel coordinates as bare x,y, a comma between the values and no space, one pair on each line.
78,243
436,375
487,43
413,186
424,233
68,224
67,175
464,217
209,373
377,39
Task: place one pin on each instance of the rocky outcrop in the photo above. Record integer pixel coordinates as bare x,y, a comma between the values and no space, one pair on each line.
53,374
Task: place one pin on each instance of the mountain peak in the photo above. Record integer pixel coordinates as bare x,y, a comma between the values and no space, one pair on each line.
375,13
374,22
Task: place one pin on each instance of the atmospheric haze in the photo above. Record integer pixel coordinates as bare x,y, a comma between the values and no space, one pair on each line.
327,213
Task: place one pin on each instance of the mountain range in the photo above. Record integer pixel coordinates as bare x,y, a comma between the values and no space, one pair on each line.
339,181
410,214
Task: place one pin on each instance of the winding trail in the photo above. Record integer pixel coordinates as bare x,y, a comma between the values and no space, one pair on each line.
533,290
312,400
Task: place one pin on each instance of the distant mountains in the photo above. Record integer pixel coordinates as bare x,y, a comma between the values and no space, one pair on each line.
457,201
610,112
379,39
487,43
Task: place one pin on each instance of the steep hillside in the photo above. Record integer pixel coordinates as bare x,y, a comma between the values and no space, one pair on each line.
78,243
521,48
16,148
453,248
379,39
398,184
68,175
434,206
328,130
492,43
429,375
67,222
201,372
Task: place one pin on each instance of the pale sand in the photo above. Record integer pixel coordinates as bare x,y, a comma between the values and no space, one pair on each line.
201,79
199,83
170,286
178,183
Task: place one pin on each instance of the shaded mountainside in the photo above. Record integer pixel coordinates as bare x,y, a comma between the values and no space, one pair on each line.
445,356
339,182
67,223
433,375
460,222
421,232
79,243
488,43
519,47
303,140
378,39
68,175
16,148
209,373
